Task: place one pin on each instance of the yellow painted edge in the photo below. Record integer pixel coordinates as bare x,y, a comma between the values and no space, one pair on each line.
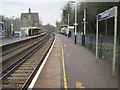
63,67
79,85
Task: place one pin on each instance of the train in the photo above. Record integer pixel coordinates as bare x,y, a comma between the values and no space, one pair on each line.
64,29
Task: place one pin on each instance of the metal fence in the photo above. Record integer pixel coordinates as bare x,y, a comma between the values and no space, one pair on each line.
79,37
105,49
90,43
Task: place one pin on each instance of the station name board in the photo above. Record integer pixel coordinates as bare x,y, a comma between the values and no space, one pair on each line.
106,14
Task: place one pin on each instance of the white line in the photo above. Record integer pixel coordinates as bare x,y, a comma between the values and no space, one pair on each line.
41,67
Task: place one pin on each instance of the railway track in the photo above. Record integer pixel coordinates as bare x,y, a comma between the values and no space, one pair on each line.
20,74
14,60
10,62
8,52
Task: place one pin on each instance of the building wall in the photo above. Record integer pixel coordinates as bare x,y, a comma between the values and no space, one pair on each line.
31,19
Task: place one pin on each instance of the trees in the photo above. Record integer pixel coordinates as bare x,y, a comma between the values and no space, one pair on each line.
93,8
67,10
49,28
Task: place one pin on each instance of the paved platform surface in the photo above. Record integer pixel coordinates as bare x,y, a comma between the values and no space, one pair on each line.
82,69
80,66
51,74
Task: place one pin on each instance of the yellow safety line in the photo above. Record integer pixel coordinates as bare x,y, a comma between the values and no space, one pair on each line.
79,85
63,67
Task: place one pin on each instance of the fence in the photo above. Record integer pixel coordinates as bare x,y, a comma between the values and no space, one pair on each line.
79,37
105,49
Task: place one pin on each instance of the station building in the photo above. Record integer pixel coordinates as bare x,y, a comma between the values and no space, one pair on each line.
28,21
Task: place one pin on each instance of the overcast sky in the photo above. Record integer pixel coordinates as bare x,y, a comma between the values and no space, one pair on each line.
49,10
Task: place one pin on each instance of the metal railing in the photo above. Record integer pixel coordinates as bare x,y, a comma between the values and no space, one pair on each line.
105,49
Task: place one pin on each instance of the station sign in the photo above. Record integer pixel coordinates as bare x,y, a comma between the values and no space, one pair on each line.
1,25
76,24
71,27
106,14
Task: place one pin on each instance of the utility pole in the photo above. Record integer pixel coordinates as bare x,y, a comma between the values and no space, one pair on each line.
11,27
68,25
75,21
12,31
106,27
84,33
68,19
84,21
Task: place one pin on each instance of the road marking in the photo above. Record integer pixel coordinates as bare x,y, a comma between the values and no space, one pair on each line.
63,67
79,85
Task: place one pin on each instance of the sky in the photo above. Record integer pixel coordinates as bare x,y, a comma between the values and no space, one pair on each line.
49,10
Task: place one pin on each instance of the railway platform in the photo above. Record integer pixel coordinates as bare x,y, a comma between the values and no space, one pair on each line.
73,66
6,41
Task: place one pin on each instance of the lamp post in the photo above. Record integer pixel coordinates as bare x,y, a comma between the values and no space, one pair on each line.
75,19
84,34
68,25
12,30
6,32
68,19
84,21
11,27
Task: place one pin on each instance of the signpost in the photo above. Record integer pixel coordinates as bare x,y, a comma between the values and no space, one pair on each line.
103,16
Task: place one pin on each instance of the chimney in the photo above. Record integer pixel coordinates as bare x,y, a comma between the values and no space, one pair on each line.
29,10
